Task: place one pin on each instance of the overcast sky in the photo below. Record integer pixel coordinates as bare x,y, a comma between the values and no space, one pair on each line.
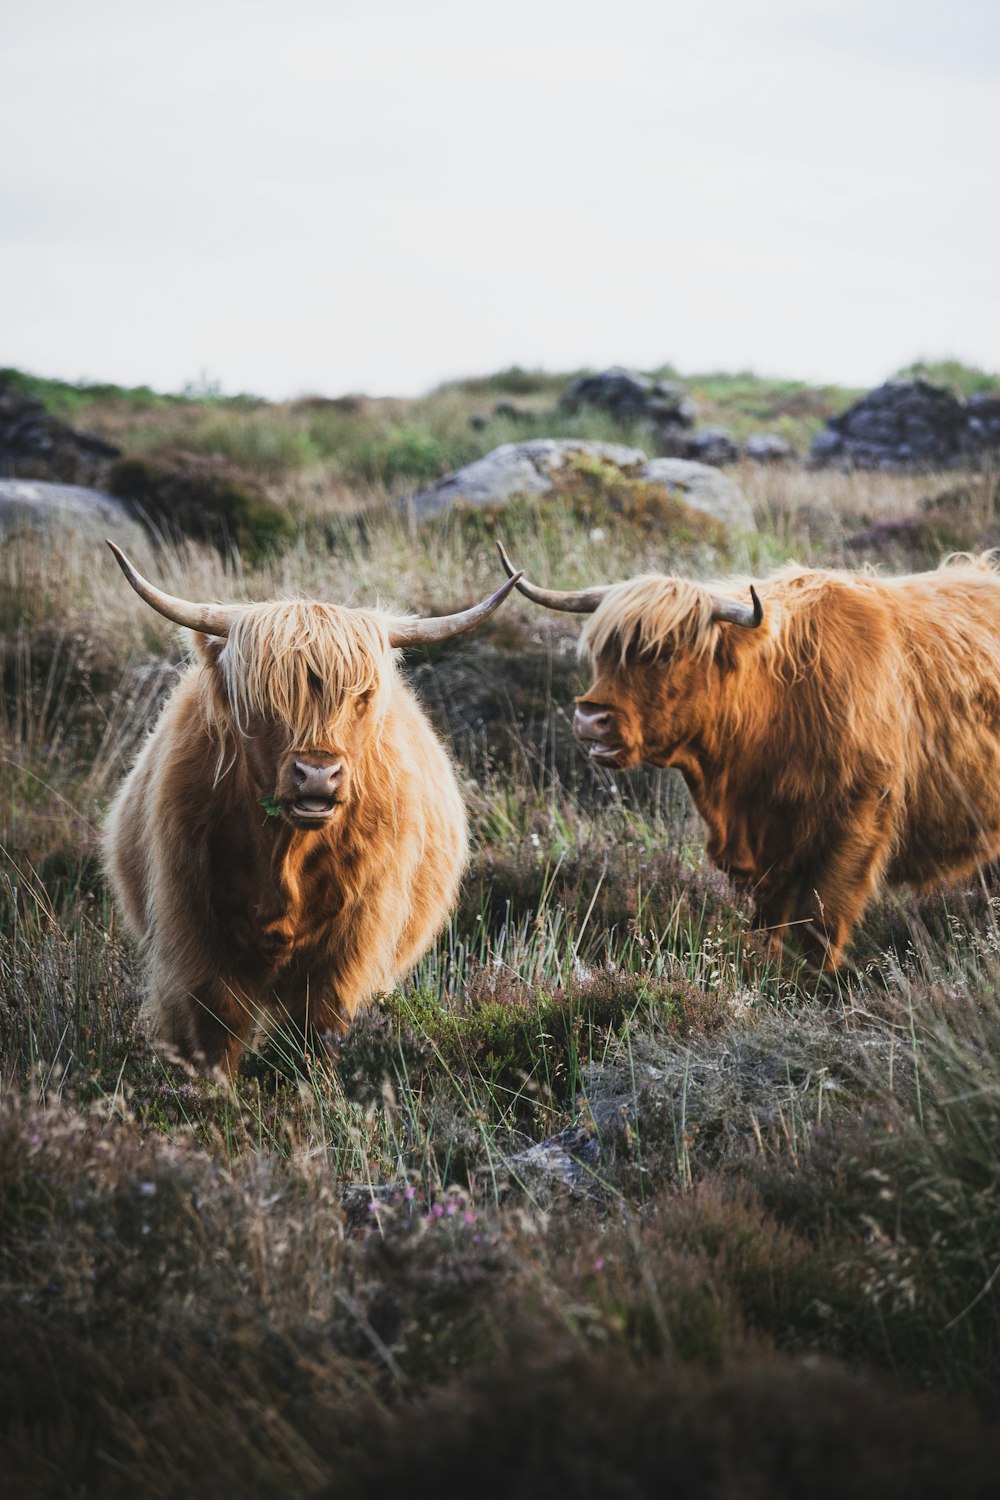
314,195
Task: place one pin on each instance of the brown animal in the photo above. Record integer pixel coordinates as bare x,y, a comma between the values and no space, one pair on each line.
839,733
291,838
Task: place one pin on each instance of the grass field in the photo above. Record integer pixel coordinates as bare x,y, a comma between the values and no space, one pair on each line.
577,1209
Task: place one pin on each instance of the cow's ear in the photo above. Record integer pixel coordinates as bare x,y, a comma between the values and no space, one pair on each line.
208,647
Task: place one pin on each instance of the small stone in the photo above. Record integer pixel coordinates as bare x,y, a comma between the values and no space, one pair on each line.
767,448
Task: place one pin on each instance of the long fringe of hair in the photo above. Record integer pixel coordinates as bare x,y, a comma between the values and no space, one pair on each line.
307,665
655,615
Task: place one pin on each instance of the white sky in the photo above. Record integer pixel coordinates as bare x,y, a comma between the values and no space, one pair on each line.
315,195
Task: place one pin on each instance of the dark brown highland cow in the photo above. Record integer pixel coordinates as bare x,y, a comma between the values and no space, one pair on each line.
291,837
837,734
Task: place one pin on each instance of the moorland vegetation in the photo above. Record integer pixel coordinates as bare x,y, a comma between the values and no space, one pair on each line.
580,1205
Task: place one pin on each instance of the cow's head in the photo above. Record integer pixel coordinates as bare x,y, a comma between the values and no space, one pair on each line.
304,686
657,653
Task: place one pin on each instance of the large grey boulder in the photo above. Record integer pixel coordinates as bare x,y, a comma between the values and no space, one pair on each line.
516,469
531,468
703,488
40,506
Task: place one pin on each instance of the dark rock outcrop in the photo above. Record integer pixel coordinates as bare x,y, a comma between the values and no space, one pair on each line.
982,424
631,397
910,424
35,445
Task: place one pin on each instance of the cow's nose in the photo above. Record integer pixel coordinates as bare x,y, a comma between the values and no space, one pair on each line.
317,781
591,724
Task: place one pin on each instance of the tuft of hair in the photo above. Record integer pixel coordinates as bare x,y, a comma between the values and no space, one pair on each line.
306,664
656,615
649,616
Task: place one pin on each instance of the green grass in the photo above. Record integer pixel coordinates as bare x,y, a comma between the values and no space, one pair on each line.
80,400
398,444
964,380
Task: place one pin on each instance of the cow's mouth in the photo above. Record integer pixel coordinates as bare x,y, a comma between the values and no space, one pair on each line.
595,728
603,753
312,809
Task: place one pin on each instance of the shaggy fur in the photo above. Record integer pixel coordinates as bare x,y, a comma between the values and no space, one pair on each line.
240,913
851,741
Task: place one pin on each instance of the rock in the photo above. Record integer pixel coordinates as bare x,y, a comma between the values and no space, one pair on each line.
530,468
516,469
34,445
982,424
37,504
767,448
704,489
572,1159
712,445
631,397
910,424
825,446
514,413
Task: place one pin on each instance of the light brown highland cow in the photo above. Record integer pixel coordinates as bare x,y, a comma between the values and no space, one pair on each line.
291,837
839,733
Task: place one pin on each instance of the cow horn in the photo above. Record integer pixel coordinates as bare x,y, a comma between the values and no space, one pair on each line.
732,612
443,627
577,602
210,619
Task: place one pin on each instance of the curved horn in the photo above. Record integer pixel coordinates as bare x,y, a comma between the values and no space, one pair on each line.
578,602
210,619
442,627
732,612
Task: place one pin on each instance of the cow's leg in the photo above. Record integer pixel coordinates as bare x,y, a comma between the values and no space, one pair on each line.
845,881
221,1022
776,907
304,1009
206,1026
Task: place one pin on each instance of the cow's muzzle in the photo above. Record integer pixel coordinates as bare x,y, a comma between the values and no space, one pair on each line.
316,791
598,733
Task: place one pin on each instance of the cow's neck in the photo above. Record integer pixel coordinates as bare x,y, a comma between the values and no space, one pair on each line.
714,774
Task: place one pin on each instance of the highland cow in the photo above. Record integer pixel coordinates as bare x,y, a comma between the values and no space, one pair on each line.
839,733
291,837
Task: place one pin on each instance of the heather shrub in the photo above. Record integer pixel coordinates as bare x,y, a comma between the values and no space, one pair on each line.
205,498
